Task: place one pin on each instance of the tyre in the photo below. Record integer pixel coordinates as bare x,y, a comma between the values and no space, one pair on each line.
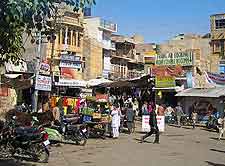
80,139
41,153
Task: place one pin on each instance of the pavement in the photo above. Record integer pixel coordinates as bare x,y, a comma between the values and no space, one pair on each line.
178,147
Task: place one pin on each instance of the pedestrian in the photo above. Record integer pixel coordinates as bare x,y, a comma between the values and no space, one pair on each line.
145,108
136,107
115,121
221,126
179,113
154,128
130,118
194,117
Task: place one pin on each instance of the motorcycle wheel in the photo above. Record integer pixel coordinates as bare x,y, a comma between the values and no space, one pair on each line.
41,153
80,139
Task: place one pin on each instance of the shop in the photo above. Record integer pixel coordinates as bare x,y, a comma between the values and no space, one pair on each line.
208,101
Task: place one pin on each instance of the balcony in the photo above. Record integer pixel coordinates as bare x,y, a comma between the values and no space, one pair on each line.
107,25
130,56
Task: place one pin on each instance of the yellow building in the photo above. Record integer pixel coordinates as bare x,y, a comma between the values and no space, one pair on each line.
217,42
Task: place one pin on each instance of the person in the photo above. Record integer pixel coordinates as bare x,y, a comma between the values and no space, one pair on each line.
221,126
136,107
168,114
130,118
161,110
115,121
145,108
194,116
179,113
154,128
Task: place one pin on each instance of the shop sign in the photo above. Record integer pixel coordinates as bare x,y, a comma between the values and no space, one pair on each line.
45,69
102,97
149,60
43,83
160,123
177,58
167,71
165,82
70,64
71,83
66,57
68,73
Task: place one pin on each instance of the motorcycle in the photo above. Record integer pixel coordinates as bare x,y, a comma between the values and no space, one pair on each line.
25,142
212,123
68,133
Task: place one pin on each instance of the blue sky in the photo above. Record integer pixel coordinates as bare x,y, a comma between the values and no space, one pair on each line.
159,20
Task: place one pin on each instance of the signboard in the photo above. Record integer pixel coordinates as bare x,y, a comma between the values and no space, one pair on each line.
71,83
45,69
165,82
69,73
70,64
66,57
21,66
167,71
216,78
160,123
177,58
43,83
102,97
149,60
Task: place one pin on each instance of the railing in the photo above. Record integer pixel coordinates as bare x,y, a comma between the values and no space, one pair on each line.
108,25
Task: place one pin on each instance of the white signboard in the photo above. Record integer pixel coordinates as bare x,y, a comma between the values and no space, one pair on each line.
160,122
70,64
72,83
43,83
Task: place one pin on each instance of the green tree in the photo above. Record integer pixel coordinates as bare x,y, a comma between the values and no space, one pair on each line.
22,16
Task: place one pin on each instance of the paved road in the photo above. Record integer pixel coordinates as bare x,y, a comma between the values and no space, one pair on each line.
178,147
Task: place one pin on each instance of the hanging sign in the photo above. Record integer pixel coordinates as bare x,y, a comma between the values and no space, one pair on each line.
165,82
70,64
43,83
45,69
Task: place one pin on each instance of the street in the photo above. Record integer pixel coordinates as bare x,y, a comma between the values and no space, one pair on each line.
178,146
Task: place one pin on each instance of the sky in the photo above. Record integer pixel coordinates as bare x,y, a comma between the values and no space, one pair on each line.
159,20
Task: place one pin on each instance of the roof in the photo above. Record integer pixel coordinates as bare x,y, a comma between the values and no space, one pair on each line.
210,92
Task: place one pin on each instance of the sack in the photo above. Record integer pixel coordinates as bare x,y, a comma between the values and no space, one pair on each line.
220,121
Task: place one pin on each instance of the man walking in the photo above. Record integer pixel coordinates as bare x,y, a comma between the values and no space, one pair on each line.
154,128
179,113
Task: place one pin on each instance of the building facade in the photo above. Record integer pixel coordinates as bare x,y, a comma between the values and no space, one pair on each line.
126,64
217,42
99,32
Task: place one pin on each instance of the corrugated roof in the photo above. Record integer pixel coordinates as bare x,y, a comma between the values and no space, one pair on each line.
211,92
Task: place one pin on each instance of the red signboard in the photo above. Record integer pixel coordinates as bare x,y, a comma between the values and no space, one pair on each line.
68,73
102,97
167,70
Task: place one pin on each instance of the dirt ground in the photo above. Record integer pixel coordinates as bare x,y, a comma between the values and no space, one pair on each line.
178,147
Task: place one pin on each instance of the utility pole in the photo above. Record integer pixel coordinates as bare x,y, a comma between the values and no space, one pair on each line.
35,97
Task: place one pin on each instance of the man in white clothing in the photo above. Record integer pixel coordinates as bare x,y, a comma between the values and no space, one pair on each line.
115,122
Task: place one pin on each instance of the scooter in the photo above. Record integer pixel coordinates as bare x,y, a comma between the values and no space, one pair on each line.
67,133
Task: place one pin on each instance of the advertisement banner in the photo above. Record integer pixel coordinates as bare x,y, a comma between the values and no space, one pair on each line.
165,82
66,57
160,123
177,58
45,69
216,78
71,83
102,97
68,73
167,71
43,83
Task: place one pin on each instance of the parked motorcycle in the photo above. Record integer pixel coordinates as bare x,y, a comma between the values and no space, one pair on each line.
25,142
212,123
68,133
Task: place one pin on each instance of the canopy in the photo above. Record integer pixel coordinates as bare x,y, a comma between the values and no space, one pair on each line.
210,92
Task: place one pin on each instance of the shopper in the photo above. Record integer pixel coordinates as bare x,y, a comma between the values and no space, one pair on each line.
179,113
154,128
130,118
115,121
194,117
136,107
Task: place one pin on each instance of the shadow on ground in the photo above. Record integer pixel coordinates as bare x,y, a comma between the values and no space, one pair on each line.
214,164
216,150
210,130
11,162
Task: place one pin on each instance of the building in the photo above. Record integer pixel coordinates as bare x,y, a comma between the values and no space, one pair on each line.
126,64
65,56
98,36
197,44
217,42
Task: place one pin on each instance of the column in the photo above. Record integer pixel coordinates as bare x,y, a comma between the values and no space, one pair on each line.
61,36
71,37
77,38
66,37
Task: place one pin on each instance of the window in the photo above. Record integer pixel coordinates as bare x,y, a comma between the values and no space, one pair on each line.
220,24
74,38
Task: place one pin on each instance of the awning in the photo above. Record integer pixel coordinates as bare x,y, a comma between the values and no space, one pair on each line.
211,92
176,88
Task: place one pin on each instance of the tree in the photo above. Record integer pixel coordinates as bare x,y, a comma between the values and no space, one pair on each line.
22,16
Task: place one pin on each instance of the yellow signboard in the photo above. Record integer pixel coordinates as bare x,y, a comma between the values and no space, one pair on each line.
150,53
165,82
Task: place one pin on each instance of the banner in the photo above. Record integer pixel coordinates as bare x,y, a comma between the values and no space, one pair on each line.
160,123
217,78
177,58
68,64
68,73
43,83
167,71
71,83
45,69
165,82
102,97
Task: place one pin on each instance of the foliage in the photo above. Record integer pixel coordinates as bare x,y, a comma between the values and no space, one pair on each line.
21,16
